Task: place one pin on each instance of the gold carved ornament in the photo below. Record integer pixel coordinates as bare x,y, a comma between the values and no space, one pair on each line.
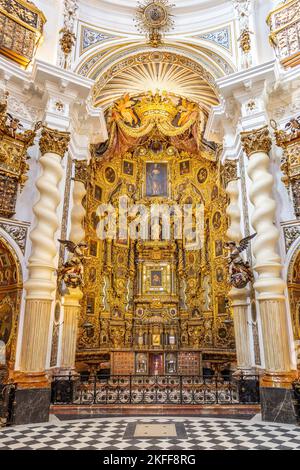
154,18
256,141
14,143
136,118
284,22
289,140
21,29
54,141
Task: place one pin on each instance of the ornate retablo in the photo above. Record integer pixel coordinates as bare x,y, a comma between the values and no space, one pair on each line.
21,28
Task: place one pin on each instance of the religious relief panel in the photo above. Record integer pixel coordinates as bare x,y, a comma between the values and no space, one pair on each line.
155,282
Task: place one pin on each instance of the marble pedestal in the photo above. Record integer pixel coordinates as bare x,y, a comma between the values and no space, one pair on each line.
31,405
278,405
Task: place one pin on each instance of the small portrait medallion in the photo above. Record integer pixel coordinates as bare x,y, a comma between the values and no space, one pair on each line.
110,175
202,175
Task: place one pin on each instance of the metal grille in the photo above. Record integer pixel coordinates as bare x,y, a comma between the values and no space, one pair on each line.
152,390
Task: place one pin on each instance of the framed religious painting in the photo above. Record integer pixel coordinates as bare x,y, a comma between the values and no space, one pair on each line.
156,179
218,248
217,220
93,245
98,193
128,168
184,167
156,279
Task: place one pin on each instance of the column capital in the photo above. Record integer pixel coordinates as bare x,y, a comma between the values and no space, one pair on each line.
257,140
54,141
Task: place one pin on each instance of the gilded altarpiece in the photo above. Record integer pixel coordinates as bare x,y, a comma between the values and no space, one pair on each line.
10,299
158,303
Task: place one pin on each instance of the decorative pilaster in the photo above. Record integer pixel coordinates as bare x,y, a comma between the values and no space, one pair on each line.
269,285
239,297
243,13
68,38
41,282
71,300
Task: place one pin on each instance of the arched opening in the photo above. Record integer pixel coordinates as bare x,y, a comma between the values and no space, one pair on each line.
10,298
294,298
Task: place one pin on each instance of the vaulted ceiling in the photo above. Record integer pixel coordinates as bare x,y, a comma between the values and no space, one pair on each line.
156,71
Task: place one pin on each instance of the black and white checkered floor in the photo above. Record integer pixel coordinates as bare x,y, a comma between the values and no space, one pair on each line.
130,434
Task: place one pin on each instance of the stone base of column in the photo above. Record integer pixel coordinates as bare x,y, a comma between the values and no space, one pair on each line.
277,397
32,398
277,405
31,405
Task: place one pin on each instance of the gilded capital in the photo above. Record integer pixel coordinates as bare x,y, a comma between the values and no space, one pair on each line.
54,141
258,140
229,171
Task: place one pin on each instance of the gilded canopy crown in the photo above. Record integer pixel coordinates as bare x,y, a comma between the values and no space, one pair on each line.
156,106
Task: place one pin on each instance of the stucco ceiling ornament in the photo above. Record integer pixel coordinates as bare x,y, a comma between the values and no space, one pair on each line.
154,18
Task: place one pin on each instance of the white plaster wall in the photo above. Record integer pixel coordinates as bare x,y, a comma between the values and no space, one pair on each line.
265,52
53,11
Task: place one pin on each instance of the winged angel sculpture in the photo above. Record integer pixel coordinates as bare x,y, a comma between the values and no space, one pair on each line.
70,273
240,271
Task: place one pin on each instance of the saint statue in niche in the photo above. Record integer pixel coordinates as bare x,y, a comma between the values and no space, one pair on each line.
156,179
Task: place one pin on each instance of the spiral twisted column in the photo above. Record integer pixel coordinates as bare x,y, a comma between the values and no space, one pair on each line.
269,286
239,297
41,281
71,301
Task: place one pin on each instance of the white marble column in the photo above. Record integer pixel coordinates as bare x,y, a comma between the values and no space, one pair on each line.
239,297
41,282
71,301
269,286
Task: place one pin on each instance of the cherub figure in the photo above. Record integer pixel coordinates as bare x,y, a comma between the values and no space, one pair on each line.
13,125
240,272
70,274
